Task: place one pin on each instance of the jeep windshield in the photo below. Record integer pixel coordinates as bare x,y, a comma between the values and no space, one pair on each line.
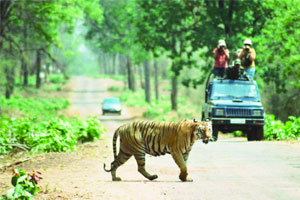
235,90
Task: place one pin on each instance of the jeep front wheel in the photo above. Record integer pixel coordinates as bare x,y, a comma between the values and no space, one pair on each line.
259,133
215,133
251,135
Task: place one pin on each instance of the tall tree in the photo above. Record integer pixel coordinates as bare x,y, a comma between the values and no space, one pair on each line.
131,76
156,82
147,81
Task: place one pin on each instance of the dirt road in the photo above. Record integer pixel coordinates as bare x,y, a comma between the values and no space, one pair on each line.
231,168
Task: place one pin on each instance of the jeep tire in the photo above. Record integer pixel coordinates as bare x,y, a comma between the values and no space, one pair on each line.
215,132
251,134
259,133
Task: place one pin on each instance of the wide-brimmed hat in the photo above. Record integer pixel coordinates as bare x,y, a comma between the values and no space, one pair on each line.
248,41
221,43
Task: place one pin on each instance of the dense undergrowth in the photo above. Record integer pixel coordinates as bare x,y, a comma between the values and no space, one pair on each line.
277,130
33,124
273,129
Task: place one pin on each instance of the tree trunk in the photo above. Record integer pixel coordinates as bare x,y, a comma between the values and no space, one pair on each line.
100,62
142,83
47,71
5,9
23,61
24,72
174,93
38,69
104,63
131,78
156,74
10,81
147,81
175,71
114,57
122,63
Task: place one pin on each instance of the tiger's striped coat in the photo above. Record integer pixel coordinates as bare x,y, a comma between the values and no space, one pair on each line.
157,138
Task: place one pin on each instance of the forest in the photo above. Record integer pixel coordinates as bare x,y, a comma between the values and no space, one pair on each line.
145,43
161,49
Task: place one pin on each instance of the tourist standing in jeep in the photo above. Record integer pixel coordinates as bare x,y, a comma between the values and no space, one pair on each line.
221,56
247,56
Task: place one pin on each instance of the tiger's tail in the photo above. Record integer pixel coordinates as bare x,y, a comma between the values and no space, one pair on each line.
116,134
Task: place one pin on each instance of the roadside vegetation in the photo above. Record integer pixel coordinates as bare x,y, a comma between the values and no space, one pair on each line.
25,186
33,123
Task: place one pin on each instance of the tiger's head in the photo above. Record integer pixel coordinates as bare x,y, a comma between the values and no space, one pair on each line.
203,130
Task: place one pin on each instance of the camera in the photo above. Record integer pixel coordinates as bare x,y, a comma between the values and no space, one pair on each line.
221,48
247,48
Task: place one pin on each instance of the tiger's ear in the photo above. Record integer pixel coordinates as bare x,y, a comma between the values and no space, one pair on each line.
194,120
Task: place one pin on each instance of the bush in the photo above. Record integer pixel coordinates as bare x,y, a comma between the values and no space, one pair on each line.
44,132
88,130
56,135
113,89
57,78
277,130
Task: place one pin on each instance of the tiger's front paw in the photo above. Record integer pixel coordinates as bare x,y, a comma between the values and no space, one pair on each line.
183,177
151,178
116,179
188,180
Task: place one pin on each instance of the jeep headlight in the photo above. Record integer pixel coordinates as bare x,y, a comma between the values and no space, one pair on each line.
256,112
220,111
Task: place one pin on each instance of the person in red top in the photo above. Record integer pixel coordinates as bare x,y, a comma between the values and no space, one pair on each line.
221,56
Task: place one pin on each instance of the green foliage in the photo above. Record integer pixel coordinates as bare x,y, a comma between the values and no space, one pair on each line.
181,28
55,135
238,133
46,132
88,130
278,51
57,78
133,99
158,110
277,130
31,81
52,87
25,185
117,33
113,89
33,107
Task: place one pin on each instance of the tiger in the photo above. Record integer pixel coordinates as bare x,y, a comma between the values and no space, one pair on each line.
157,138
